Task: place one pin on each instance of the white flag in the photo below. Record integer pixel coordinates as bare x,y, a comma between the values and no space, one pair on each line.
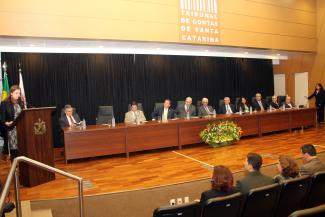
22,89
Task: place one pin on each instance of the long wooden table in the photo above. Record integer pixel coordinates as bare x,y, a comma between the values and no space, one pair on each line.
100,140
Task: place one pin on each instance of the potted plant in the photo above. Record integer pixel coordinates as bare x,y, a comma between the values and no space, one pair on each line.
220,134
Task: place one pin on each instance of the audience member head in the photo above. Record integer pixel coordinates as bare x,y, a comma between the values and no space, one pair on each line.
226,100
308,152
319,86
205,101
68,110
15,93
288,167
222,178
288,99
275,99
258,97
167,103
253,162
134,106
188,101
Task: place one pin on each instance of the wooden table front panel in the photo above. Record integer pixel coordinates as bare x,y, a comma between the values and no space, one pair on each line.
274,121
303,117
189,131
248,123
92,143
151,136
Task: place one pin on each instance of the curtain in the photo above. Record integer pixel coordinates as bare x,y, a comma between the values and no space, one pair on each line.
88,80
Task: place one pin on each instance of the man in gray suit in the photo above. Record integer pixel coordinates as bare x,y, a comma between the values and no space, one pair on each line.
205,109
312,163
254,178
186,108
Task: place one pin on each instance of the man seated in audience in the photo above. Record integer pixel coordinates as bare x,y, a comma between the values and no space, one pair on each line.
288,103
70,118
226,107
311,163
134,116
274,103
187,108
221,184
254,178
164,112
205,109
258,103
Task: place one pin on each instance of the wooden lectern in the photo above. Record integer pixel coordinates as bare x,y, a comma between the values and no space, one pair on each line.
35,141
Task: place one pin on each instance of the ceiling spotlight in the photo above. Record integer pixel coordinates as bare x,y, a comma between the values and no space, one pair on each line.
101,46
278,54
158,48
32,45
246,53
206,50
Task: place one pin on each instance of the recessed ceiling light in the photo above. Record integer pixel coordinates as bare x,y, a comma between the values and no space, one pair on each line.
101,46
158,48
278,54
246,53
206,50
32,45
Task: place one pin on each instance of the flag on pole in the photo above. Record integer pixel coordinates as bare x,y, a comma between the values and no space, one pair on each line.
22,89
0,77
5,84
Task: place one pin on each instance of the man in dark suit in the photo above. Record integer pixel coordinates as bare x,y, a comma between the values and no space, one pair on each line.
186,108
164,112
205,109
274,103
254,178
258,103
312,163
70,118
288,104
226,107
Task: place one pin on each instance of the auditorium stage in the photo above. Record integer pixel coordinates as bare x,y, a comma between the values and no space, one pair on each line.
166,166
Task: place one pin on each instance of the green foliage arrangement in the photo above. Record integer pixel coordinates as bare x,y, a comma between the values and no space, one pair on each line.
220,134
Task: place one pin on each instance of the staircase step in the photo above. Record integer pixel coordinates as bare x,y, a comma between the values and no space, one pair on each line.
42,213
25,210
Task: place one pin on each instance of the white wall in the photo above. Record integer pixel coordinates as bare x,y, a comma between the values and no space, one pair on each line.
279,84
301,88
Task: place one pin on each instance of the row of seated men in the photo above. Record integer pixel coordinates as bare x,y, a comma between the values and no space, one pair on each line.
222,181
165,112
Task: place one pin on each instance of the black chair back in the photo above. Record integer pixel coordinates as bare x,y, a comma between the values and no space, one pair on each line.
281,99
158,105
316,195
268,100
318,211
262,202
140,107
105,113
229,206
63,114
185,210
180,104
293,195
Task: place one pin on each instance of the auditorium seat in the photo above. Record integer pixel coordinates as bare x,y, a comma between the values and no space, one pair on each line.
140,107
293,195
262,202
184,210
105,113
229,206
316,194
318,211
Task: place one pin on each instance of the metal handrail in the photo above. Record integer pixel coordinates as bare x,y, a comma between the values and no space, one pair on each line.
13,173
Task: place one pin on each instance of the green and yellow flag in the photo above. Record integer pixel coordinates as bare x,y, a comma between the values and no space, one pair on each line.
5,86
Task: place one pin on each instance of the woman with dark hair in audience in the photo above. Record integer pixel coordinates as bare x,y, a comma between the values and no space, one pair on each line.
11,107
319,95
288,169
221,184
243,104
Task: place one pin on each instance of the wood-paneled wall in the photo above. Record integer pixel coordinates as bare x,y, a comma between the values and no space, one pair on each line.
274,24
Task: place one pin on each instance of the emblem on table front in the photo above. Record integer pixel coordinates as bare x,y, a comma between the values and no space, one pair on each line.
39,127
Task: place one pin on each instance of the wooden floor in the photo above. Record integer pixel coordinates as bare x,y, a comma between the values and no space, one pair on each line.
167,166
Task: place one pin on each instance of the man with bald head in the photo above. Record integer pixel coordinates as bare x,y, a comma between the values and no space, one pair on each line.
288,103
226,107
258,103
182,110
205,109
